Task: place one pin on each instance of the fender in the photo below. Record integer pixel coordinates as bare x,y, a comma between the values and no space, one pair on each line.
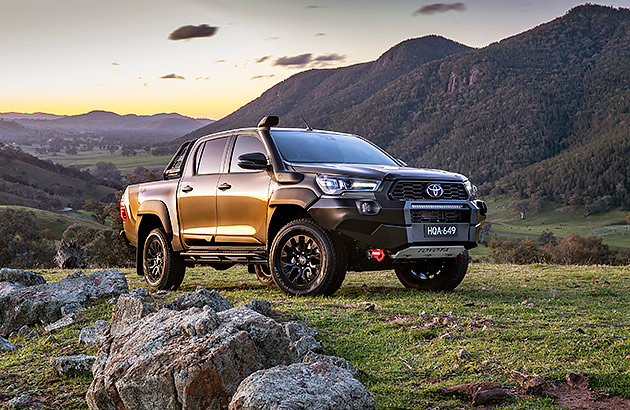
159,209
302,197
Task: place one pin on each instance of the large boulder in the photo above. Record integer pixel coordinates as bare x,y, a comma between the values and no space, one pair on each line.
173,360
72,365
317,385
200,298
38,304
96,334
128,309
22,277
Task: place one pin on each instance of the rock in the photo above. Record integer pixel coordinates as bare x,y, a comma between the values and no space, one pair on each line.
463,354
95,335
307,344
73,365
272,344
71,308
6,346
302,386
63,322
27,333
200,298
483,397
469,389
263,307
296,330
24,401
8,287
312,357
22,277
578,380
531,384
139,292
42,303
173,359
128,309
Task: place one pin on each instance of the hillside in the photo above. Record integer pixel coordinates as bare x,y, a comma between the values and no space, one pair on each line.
28,181
541,115
318,94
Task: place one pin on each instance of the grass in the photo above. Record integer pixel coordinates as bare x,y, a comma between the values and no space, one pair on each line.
538,319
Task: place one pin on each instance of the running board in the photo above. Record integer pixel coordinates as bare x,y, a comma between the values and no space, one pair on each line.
258,256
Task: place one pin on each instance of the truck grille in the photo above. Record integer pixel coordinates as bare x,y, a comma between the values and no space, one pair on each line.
416,190
439,215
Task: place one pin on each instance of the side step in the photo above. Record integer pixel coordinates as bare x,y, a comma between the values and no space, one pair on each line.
256,254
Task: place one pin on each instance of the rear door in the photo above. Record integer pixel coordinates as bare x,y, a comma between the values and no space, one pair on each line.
197,205
243,197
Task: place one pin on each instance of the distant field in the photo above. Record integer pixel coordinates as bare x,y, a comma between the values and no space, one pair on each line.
57,222
88,159
610,225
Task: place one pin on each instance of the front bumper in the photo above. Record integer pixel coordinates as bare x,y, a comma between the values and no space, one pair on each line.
396,226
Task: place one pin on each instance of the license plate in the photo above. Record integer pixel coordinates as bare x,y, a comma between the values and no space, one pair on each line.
440,230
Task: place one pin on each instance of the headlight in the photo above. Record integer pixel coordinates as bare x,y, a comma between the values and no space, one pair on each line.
333,185
472,189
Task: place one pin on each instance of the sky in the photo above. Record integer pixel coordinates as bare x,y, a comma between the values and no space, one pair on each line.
207,58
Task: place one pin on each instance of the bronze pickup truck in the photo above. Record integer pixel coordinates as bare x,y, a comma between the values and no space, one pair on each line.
300,207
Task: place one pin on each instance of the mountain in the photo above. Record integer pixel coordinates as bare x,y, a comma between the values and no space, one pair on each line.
159,126
318,94
541,115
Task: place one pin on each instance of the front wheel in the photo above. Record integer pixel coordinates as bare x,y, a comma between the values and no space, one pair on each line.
163,268
434,274
304,260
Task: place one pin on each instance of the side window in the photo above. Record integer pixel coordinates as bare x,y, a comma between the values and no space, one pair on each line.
245,144
209,156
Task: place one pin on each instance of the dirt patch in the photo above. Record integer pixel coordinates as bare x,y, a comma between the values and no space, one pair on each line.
579,399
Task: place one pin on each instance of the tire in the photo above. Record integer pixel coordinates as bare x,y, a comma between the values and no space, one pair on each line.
263,274
434,274
305,261
163,268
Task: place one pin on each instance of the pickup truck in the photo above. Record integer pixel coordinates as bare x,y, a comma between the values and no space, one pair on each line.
301,207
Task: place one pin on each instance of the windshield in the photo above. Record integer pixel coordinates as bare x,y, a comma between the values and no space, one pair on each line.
328,148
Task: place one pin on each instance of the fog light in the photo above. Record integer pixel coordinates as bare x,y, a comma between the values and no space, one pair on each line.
368,207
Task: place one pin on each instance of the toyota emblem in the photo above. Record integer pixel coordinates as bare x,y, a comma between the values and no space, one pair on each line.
435,190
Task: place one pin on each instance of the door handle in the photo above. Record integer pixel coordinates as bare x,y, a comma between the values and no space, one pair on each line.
224,186
187,188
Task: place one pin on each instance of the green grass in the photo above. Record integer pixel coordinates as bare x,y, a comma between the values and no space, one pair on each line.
87,159
538,319
57,222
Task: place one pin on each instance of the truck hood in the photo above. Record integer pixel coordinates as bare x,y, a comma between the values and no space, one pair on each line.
383,172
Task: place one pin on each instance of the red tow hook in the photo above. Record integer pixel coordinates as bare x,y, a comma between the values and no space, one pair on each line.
378,254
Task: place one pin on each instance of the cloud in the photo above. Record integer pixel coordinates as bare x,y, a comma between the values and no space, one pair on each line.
202,78
439,8
115,63
272,38
257,77
330,57
220,61
320,34
187,32
263,59
297,61
173,75
312,7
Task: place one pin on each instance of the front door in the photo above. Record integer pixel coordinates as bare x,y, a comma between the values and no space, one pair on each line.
243,197
197,193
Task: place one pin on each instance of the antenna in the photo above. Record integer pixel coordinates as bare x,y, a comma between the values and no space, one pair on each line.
308,127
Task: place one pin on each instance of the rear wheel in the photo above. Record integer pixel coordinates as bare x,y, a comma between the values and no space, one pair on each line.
434,274
263,274
304,260
163,268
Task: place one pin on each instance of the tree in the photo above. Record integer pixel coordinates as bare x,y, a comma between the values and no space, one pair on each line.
21,244
107,171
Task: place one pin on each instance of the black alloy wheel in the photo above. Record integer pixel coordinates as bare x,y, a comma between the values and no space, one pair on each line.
305,260
162,267
434,274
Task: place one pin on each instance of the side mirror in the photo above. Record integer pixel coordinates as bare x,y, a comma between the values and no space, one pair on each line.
172,173
253,160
